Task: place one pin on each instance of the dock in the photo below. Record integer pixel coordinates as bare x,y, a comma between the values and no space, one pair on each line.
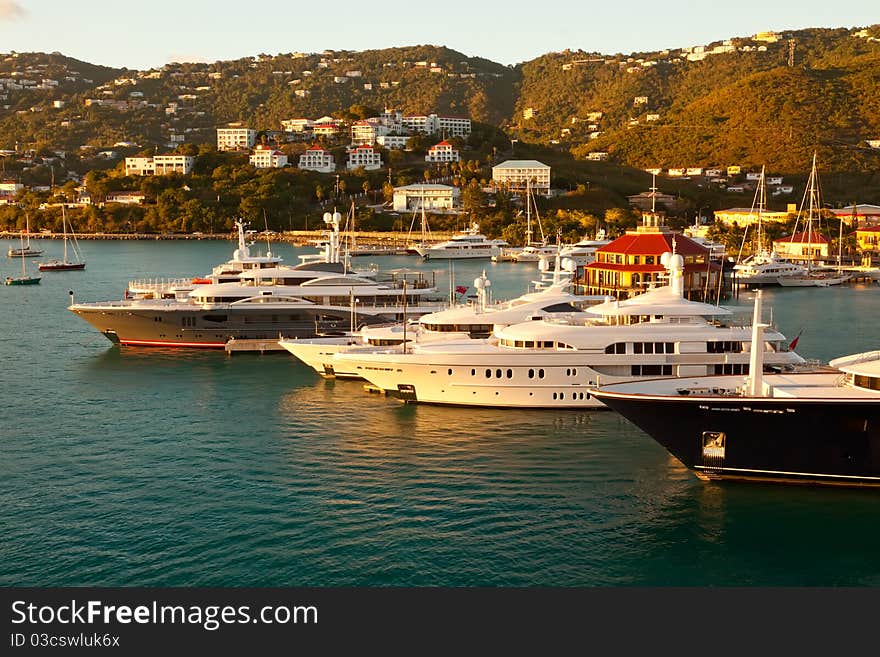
260,346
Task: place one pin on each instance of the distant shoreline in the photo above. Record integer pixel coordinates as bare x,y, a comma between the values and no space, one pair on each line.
298,237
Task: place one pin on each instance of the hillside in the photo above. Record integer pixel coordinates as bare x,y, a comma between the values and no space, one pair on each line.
748,101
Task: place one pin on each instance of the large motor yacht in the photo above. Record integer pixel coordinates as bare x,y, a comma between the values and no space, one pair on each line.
250,298
466,244
553,363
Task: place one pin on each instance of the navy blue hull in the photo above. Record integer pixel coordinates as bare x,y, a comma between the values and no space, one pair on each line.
781,440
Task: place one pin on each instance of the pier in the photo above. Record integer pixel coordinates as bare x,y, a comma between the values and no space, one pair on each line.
234,346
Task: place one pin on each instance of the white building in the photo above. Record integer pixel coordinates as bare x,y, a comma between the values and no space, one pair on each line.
159,165
442,152
317,159
431,124
515,173
139,166
366,131
393,141
364,156
297,125
266,157
433,197
235,139
165,164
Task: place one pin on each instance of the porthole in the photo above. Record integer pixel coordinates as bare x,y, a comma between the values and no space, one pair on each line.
449,372
541,374
473,372
509,374
531,374
488,374
554,395
497,374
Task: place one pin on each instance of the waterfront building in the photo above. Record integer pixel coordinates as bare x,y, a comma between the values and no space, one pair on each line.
266,157
235,139
864,214
297,125
364,156
632,263
442,152
746,216
515,174
429,196
868,238
317,159
802,246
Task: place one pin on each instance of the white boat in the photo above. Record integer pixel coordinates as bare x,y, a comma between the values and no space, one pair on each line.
765,266
822,276
553,363
25,249
584,251
468,243
472,321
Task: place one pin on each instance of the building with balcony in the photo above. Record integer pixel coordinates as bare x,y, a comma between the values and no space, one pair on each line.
431,197
514,174
365,157
235,139
266,157
442,152
317,159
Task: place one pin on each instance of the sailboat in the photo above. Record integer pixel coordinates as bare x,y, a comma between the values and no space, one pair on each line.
25,249
822,276
764,266
24,279
65,264
533,251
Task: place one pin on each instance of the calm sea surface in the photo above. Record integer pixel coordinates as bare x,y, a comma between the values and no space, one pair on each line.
189,468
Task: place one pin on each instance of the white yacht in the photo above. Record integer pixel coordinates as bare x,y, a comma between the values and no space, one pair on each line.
473,321
467,244
552,363
584,252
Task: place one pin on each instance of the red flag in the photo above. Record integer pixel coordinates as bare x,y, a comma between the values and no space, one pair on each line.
461,289
795,341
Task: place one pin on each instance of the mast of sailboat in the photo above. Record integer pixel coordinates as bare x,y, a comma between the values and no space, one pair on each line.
762,200
810,210
64,230
528,214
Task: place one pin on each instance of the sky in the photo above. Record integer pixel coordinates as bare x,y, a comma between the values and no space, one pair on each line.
143,35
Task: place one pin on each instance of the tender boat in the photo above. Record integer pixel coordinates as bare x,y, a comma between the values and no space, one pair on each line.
819,427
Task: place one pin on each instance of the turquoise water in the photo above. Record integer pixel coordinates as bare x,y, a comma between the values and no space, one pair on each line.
175,468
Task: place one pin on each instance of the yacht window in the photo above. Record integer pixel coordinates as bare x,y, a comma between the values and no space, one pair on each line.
637,347
449,372
488,374
473,372
531,374
540,374
497,374
509,374
869,382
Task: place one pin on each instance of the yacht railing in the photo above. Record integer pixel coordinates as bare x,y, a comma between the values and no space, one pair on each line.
154,284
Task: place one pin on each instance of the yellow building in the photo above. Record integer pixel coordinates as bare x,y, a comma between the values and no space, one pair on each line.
747,216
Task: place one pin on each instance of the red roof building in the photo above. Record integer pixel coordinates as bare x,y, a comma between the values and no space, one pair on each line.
632,263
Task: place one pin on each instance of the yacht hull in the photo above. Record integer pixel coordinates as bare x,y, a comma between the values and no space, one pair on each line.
774,439
194,327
